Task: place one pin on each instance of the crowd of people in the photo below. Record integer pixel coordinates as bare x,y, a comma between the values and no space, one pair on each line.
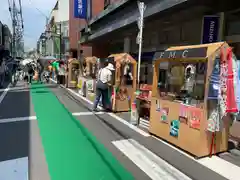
58,69
8,66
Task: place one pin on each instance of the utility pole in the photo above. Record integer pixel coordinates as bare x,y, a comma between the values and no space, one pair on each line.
17,27
60,41
14,23
142,8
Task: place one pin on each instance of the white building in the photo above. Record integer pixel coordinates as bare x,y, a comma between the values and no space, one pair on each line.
58,21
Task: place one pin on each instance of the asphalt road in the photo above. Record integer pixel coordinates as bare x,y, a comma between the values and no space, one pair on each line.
20,138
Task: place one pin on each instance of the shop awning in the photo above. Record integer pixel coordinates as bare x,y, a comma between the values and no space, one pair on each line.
186,52
146,56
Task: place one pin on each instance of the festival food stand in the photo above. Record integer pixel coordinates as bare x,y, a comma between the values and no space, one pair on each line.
124,85
72,74
87,82
188,98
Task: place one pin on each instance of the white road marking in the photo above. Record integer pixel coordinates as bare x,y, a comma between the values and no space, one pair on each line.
15,169
155,167
86,113
175,148
29,118
135,128
214,163
222,167
13,88
16,119
4,94
143,133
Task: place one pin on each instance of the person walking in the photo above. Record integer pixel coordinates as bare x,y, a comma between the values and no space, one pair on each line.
40,69
61,73
102,87
30,72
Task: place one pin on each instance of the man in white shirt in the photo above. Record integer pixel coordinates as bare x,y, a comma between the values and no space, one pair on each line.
103,84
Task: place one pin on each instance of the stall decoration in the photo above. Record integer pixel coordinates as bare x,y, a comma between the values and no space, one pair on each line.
158,108
81,86
164,114
195,116
183,114
222,88
134,113
174,128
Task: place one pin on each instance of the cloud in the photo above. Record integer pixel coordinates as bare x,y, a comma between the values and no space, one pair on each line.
34,16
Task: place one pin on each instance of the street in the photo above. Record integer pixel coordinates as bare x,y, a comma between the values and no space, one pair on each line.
48,132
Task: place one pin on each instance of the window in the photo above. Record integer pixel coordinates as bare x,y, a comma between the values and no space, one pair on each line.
183,82
106,3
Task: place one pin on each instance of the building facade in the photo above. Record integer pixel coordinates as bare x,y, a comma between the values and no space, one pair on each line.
6,37
166,23
57,30
75,25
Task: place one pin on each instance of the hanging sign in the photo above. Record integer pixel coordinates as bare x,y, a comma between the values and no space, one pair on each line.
80,9
90,85
185,53
210,30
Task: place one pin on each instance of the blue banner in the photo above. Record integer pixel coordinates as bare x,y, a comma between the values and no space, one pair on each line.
80,9
210,29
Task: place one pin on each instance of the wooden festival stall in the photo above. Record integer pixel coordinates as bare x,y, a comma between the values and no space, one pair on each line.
124,85
87,82
72,74
176,118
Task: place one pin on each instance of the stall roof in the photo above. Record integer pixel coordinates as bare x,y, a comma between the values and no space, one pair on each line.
92,59
201,51
123,57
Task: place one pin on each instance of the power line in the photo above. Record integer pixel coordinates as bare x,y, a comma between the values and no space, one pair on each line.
42,13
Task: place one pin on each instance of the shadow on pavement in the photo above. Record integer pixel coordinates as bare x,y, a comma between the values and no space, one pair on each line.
14,140
15,134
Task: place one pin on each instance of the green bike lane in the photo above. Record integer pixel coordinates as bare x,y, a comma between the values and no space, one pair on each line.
71,151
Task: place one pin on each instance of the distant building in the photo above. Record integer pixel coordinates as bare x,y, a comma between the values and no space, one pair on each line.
6,37
58,23
1,33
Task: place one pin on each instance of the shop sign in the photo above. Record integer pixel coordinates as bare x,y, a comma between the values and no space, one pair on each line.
90,85
185,53
210,29
80,9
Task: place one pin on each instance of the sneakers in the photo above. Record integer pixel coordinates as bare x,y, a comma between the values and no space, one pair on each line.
95,110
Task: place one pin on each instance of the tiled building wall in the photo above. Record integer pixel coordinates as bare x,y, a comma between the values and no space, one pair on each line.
76,24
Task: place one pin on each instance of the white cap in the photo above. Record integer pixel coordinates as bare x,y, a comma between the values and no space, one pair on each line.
110,67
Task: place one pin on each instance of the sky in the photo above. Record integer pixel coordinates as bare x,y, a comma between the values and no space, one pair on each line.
34,21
